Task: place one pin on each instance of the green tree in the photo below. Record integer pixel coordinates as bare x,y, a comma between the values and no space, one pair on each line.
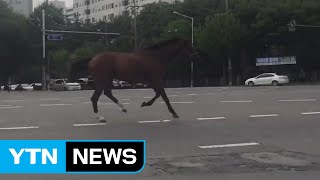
15,45
220,37
152,19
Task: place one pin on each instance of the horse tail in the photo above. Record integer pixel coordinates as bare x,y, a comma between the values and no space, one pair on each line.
79,68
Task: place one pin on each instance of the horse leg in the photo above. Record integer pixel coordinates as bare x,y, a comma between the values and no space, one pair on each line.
108,93
166,100
149,103
94,99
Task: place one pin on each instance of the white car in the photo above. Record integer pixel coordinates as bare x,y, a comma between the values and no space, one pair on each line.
63,85
267,79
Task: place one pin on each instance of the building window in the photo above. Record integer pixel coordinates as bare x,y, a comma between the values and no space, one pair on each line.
111,6
125,3
110,16
87,11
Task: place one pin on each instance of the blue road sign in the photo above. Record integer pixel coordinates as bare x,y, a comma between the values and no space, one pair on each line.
55,37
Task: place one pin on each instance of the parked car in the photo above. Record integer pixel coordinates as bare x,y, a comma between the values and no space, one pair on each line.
120,84
85,83
7,88
140,85
22,87
36,86
267,79
63,85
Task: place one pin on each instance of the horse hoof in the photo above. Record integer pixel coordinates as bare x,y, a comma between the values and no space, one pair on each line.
144,104
175,116
102,121
124,110
100,118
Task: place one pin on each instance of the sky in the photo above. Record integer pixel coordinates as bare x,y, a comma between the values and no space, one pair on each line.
38,2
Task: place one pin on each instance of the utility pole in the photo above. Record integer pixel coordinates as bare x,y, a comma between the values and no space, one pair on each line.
134,8
135,24
44,78
192,40
229,56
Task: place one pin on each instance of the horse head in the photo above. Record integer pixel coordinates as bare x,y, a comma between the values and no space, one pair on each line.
186,48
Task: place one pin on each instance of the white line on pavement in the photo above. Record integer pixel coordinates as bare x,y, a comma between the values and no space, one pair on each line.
264,115
94,124
105,103
49,105
11,107
297,100
13,100
172,95
178,102
4,105
310,113
229,145
192,94
50,99
212,118
158,121
17,128
243,101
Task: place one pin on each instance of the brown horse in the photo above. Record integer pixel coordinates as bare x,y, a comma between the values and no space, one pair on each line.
145,65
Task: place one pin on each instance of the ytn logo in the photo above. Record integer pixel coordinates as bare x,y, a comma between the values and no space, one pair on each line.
32,152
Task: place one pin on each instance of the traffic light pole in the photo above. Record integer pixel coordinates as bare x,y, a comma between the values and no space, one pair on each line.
44,30
44,78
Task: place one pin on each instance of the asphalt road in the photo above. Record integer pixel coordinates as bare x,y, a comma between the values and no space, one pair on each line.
222,133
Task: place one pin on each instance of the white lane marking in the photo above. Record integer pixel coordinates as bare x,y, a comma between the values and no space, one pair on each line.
230,145
243,101
297,100
212,118
48,105
94,124
310,113
13,100
11,107
264,115
192,94
172,95
125,100
4,105
158,121
17,128
50,99
178,102
104,103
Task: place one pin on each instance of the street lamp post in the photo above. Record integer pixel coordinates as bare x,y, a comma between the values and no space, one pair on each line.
192,39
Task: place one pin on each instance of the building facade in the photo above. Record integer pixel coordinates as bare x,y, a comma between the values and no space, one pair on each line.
93,11
58,4
24,7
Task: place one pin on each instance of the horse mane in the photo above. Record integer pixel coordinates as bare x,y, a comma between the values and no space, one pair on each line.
162,44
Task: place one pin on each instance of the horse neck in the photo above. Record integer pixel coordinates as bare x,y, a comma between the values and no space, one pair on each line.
166,53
